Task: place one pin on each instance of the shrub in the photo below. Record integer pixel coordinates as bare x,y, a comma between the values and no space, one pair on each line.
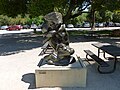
116,33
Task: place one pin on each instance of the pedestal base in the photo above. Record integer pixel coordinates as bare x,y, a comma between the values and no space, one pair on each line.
73,75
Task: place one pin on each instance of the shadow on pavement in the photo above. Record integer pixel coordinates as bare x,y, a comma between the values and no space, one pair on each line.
29,78
15,43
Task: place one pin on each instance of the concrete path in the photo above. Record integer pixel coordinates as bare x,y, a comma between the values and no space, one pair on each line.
19,59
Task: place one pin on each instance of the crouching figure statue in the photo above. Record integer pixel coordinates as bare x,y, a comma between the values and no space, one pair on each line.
57,37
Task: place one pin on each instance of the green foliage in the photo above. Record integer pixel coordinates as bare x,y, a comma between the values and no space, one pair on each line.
98,18
78,20
115,33
116,17
37,20
104,16
42,7
18,20
82,17
112,5
104,8
102,32
109,16
74,32
69,9
13,7
5,20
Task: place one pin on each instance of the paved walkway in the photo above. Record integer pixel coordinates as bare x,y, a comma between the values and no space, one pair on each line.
19,59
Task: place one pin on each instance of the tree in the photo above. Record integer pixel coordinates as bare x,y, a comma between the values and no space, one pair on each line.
69,8
102,6
13,7
42,7
75,8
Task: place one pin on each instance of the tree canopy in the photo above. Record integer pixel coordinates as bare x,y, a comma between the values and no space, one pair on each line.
13,7
68,8
71,8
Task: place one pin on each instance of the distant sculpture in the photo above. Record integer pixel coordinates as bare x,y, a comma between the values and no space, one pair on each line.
57,37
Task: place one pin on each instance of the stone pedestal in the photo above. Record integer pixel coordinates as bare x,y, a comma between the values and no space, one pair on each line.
73,75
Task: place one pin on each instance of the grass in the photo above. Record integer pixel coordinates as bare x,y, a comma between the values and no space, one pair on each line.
83,32
105,32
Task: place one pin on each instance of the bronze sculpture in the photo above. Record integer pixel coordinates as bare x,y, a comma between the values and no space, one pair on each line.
57,38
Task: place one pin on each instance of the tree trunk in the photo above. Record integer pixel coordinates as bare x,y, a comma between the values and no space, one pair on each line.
93,20
34,30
